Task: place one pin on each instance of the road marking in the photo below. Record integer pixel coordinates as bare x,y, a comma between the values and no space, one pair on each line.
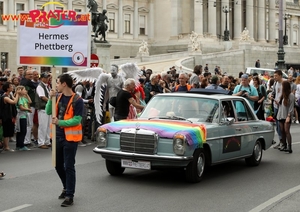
275,199
18,208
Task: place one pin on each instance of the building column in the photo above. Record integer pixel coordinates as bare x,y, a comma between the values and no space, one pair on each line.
136,20
250,18
11,10
261,21
212,18
298,32
237,20
70,5
198,17
121,20
104,5
175,18
51,6
151,20
86,8
272,13
31,5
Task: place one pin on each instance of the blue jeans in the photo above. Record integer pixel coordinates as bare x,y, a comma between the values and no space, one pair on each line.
278,130
65,164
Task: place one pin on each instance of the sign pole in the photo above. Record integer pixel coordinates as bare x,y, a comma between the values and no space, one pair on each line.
53,114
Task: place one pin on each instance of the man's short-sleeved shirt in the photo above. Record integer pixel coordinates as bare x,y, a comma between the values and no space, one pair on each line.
251,92
122,103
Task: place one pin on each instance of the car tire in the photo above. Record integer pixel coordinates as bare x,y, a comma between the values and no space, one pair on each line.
195,169
114,168
256,156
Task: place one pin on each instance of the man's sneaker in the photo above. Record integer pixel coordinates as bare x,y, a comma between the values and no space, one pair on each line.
297,122
277,146
24,149
62,195
68,202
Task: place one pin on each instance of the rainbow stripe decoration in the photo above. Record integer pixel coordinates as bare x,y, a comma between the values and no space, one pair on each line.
58,61
194,133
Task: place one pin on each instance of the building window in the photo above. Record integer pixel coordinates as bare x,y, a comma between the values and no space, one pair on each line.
142,24
127,23
295,38
1,12
59,8
39,7
111,18
77,10
20,7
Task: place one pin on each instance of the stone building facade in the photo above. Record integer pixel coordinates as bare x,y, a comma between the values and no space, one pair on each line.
167,24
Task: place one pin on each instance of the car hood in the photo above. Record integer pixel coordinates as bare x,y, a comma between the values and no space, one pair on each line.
194,133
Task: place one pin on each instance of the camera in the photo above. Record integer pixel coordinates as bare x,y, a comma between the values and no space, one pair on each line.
244,93
3,79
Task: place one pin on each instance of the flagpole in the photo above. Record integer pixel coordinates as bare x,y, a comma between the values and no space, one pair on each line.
53,98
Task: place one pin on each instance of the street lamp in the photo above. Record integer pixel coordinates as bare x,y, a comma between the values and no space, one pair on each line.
226,32
280,53
285,37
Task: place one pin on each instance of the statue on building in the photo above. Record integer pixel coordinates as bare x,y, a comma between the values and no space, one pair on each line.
93,6
101,27
195,44
245,35
143,50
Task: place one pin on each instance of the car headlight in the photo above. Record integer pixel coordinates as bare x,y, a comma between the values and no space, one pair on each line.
179,144
101,137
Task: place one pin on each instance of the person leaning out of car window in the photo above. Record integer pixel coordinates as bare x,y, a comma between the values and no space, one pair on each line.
245,90
285,114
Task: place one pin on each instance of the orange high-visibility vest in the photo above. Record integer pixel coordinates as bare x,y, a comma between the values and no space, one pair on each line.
188,87
73,133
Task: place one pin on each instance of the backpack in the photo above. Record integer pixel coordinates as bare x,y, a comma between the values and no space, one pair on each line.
262,90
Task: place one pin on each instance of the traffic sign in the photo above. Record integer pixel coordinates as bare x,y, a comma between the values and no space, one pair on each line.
94,60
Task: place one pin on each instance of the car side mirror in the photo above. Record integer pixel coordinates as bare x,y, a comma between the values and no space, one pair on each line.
230,120
227,121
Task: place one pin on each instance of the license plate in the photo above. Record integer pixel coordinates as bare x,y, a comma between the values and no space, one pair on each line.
136,164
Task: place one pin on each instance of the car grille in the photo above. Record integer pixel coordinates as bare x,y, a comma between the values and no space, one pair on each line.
138,141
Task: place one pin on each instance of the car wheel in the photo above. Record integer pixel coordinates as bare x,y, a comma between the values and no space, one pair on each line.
195,169
256,156
114,168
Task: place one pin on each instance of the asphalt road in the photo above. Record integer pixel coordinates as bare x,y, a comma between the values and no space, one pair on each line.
31,184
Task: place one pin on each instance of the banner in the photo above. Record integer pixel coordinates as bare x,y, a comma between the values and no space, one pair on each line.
54,38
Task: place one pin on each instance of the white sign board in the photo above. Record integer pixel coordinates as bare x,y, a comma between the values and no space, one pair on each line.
54,42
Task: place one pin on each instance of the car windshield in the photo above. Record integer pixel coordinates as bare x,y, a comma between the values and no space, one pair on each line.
181,108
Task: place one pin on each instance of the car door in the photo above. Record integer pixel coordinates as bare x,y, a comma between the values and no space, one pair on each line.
230,133
246,126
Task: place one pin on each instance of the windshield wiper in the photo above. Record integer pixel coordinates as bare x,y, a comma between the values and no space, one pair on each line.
180,118
160,117
170,117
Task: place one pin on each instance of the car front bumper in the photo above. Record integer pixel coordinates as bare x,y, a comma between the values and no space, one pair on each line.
156,160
